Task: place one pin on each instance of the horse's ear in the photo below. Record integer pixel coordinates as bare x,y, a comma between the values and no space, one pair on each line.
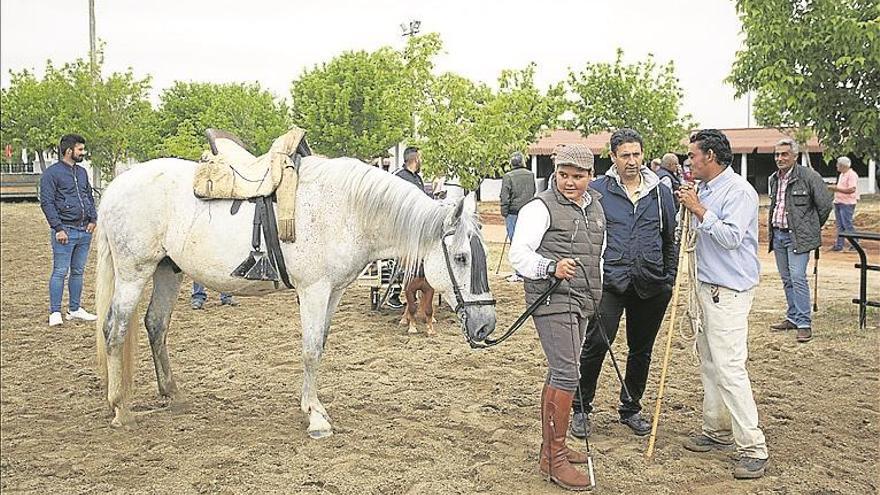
454,216
470,204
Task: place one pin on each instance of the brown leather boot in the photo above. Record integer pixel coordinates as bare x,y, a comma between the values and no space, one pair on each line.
555,465
572,455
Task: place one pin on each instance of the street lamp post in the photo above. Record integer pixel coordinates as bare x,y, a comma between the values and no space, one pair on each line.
410,29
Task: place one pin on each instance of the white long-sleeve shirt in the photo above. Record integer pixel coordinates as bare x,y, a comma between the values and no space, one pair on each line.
531,225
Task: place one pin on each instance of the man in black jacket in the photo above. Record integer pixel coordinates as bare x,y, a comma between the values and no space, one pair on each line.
412,165
517,189
640,264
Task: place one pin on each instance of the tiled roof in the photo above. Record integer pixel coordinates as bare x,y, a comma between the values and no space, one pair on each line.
742,140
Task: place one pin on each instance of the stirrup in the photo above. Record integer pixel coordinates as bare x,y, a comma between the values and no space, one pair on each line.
262,269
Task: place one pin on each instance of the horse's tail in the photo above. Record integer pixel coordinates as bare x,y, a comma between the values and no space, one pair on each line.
105,283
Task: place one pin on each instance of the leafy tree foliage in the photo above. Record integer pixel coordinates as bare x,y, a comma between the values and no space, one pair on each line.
112,113
814,64
469,131
31,116
362,103
643,96
245,109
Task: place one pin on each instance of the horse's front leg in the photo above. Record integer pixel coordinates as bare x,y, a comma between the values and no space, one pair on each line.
315,301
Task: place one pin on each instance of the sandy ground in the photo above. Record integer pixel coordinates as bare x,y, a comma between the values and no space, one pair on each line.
412,414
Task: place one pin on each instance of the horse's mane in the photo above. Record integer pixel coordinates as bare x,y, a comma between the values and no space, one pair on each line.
385,203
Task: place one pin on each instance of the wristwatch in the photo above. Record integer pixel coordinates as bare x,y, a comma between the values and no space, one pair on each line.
551,268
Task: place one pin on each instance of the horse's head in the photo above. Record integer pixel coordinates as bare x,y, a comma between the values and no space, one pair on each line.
457,268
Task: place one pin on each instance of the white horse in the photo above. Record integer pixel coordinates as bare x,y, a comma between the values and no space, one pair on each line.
347,214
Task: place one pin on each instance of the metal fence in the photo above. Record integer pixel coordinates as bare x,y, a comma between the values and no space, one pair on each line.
19,168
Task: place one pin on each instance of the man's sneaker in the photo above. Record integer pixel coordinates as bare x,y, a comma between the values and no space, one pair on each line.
749,468
804,335
637,424
580,425
197,304
229,301
514,278
702,443
783,325
81,314
55,319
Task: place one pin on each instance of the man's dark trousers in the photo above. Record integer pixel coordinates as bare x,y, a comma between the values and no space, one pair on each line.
643,319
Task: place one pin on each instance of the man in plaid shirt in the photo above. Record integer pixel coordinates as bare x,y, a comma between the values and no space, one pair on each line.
799,205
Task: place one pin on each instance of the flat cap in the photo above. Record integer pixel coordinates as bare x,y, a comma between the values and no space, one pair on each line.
576,155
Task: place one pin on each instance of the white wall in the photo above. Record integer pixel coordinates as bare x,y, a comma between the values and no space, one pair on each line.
490,190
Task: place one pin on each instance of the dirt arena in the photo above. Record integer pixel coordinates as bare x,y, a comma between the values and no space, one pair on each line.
412,414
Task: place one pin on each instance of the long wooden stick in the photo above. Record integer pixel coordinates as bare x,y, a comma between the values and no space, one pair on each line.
676,290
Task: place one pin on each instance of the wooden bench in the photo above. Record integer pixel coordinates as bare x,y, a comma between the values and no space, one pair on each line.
20,185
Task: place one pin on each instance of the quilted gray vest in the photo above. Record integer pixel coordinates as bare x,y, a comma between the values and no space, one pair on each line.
567,219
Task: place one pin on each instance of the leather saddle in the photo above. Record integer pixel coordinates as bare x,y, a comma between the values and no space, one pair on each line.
230,171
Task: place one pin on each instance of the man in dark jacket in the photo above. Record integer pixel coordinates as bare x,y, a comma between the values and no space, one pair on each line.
670,173
800,203
412,165
66,200
517,189
640,264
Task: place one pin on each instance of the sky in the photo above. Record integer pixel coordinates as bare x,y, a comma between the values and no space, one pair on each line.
273,41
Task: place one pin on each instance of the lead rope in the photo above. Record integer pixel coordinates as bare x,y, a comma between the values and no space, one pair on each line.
693,312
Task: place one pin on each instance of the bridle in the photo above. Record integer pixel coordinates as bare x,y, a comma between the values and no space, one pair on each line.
461,305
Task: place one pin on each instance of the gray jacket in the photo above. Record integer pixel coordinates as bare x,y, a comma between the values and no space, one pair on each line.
808,202
517,189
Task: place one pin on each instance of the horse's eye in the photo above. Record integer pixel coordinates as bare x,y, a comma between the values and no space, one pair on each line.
461,259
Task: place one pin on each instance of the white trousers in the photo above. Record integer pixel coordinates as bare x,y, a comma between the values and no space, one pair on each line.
729,410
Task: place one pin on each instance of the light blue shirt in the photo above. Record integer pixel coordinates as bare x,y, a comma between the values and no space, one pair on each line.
727,238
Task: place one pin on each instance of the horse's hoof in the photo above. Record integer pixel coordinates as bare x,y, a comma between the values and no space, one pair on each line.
123,420
432,333
319,434
180,405
412,330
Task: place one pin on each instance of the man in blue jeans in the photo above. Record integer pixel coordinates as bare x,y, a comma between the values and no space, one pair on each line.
846,195
66,200
199,296
799,205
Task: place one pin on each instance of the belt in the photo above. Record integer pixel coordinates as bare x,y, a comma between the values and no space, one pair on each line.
782,230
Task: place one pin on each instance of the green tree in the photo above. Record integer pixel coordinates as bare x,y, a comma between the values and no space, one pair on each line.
447,129
362,103
515,116
469,131
355,105
642,96
112,113
186,109
32,114
814,64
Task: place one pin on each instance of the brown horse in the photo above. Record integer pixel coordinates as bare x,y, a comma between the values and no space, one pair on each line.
421,311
